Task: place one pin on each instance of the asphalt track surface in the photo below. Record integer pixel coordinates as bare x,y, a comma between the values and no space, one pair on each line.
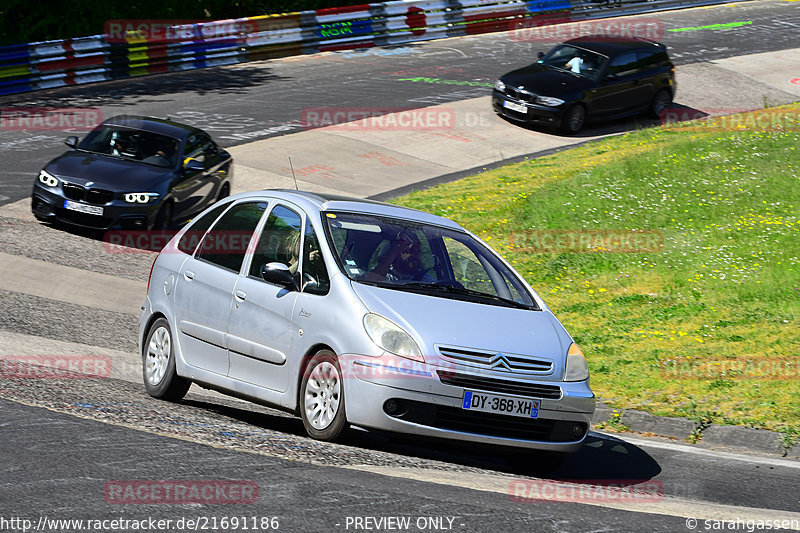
253,101
64,441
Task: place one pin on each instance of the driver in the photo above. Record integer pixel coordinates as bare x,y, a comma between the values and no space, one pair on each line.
575,64
402,262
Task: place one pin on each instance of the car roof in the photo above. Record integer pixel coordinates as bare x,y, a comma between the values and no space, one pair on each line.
609,47
163,126
315,201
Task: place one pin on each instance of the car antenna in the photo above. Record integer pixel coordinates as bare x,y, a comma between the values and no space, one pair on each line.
293,176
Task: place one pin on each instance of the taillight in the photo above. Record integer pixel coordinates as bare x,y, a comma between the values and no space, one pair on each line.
150,275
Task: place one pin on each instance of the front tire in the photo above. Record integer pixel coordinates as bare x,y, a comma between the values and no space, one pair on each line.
158,365
164,218
574,119
322,398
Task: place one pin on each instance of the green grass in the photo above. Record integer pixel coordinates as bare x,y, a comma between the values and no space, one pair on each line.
664,331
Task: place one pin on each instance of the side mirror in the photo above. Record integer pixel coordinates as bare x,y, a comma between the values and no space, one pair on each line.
540,55
279,274
72,141
194,165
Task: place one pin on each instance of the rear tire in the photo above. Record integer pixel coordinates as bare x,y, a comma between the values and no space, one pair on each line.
661,101
322,398
158,365
574,119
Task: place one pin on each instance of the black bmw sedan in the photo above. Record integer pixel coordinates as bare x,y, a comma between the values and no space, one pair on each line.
585,79
133,172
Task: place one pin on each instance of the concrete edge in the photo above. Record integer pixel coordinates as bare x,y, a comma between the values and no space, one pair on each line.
454,176
739,438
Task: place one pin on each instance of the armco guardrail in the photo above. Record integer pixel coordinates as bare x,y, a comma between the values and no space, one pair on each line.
114,55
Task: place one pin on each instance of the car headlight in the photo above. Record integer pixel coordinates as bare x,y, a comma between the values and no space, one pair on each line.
577,369
45,178
391,337
500,86
549,101
140,197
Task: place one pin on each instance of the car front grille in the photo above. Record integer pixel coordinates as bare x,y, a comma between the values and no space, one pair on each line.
496,361
82,194
512,427
502,386
74,192
518,94
99,196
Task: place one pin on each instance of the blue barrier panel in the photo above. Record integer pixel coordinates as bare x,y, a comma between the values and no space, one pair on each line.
537,6
348,28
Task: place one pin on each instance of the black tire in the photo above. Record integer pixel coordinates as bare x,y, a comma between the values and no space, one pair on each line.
322,405
574,119
224,192
164,218
661,101
535,462
158,364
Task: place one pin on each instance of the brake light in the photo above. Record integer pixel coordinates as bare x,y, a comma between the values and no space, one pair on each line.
150,275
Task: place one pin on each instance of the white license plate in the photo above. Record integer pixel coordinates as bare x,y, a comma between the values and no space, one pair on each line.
501,404
515,107
83,208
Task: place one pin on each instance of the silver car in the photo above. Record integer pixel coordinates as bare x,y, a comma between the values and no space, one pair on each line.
352,312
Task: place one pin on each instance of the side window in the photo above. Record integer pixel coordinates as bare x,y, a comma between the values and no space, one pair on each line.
647,59
189,240
279,241
624,65
467,270
479,275
227,242
315,275
197,145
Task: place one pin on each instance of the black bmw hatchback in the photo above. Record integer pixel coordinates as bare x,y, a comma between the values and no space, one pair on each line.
133,173
584,79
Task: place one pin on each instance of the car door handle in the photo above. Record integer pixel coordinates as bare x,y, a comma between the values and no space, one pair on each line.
188,275
240,295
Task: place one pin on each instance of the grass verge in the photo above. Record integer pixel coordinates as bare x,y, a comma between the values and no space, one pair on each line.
704,327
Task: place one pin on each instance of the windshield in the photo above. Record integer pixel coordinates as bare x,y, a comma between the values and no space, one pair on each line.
576,60
416,257
134,145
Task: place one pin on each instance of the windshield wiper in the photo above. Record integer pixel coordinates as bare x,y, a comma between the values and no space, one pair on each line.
463,291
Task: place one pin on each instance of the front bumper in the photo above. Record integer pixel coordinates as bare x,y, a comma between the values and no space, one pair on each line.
539,115
48,204
392,394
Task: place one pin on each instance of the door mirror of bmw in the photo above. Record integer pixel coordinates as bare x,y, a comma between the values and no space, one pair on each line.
279,274
71,141
193,165
540,55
